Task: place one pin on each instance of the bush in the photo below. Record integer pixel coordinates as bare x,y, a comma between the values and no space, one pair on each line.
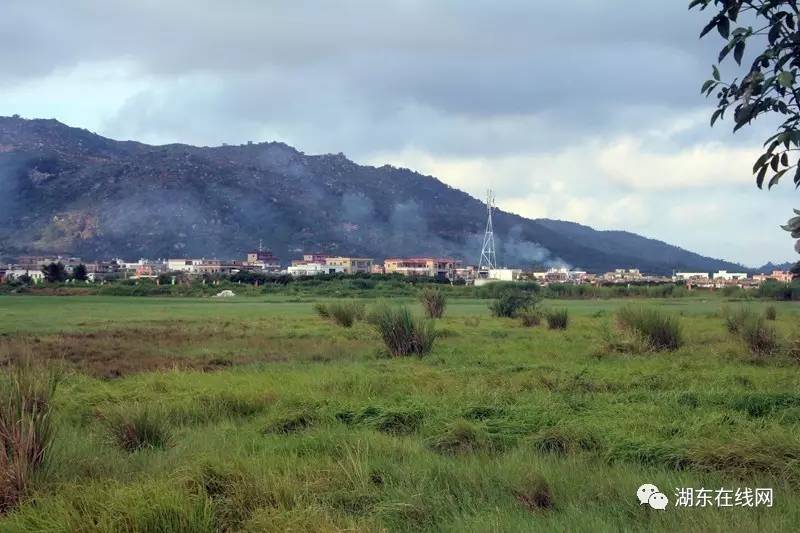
402,332
760,338
512,302
530,318
557,318
434,301
771,313
138,427
26,428
660,330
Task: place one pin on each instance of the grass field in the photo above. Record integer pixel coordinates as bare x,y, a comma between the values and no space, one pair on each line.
273,419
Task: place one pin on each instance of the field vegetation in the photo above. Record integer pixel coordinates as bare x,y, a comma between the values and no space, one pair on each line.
258,414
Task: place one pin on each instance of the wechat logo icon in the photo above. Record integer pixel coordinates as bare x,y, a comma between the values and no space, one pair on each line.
649,494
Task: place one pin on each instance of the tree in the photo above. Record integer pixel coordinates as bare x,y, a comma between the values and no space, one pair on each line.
770,28
54,272
79,273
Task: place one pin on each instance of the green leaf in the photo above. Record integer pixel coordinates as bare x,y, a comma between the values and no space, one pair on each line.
715,73
707,85
762,161
776,178
785,159
786,79
717,114
760,177
724,27
710,26
738,52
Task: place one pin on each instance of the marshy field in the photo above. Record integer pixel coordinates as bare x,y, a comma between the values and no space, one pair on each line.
266,414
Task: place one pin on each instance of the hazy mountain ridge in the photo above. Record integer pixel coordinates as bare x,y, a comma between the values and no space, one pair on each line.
68,190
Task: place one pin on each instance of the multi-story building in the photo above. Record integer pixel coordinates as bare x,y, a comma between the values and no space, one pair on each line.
313,269
263,260
36,276
311,258
351,265
434,267
696,277
724,275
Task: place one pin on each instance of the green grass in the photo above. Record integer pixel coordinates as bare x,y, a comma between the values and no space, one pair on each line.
312,428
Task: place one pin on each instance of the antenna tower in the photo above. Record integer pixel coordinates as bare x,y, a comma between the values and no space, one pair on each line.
488,256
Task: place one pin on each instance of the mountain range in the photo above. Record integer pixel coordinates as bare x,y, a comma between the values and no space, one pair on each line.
70,191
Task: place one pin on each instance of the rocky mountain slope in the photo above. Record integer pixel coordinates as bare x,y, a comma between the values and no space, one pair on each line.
67,190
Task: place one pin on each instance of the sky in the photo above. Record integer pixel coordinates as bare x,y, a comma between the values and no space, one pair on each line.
580,110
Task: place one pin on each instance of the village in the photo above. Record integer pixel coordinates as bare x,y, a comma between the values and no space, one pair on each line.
443,269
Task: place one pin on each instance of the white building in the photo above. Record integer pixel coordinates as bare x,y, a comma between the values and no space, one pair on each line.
314,269
691,276
184,265
724,275
36,275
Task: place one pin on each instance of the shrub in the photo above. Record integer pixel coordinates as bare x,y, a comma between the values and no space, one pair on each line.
530,318
434,301
660,330
557,318
26,428
511,302
138,427
402,332
771,313
760,338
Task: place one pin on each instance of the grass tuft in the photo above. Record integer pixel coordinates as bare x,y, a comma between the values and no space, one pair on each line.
26,428
557,318
138,427
402,332
760,338
533,492
291,423
662,331
461,437
433,301
771,313
530,318
344,313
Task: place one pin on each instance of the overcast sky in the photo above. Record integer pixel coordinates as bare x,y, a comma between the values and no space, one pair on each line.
581,110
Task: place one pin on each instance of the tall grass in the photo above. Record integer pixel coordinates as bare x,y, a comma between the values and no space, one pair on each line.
557,318
760,338
402,332
530,318
344,313
661,331
434,301
26,427
736,318
137,427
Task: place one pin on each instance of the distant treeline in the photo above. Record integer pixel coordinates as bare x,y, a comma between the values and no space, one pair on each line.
382,285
